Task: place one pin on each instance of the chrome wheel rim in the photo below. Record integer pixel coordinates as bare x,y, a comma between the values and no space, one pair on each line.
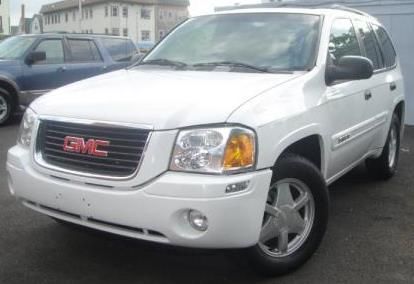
392,147
3,108
289,218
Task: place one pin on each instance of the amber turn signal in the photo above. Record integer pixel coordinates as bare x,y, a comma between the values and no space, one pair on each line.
240,152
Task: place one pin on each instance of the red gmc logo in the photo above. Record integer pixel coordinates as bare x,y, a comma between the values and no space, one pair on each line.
90,147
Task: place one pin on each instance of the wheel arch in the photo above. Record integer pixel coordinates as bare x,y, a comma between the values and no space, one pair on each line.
11,87
307,142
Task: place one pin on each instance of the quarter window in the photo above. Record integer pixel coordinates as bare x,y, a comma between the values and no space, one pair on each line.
83,51
386,46
343,40
54,51
370,43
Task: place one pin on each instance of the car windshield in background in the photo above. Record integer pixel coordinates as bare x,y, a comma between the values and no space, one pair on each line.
121,50
15,47
264,42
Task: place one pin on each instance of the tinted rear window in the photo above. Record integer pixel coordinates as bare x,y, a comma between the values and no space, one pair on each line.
83,50
121,50
370,43
386,46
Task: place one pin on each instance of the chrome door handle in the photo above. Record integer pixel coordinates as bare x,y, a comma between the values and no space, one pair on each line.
368,95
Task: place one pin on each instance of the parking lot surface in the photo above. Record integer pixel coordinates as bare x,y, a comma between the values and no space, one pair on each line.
370,239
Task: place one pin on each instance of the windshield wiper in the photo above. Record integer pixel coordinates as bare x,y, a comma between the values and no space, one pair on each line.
234,64
164,62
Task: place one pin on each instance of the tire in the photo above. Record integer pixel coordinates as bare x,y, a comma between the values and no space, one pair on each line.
6,107
291,174
385,166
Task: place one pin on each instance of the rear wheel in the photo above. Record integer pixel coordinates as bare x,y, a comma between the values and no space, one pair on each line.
385,166
6,107
295,217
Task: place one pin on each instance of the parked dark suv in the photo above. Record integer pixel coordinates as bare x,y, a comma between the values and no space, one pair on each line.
31,65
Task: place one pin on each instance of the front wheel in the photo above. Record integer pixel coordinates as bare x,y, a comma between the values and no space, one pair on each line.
6,107
295,217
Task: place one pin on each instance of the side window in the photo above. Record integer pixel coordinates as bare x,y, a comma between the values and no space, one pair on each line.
121,50
370,43
343,40
54,51
83,50
386,46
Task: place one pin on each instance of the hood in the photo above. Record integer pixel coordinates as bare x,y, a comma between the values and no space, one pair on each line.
164,99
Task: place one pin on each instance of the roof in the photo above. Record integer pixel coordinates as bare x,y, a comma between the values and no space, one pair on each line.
64,34
70,4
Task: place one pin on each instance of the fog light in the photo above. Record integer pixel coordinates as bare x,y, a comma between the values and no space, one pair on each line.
236,187
197,220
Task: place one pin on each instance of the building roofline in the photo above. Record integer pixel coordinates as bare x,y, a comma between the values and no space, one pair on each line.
71,4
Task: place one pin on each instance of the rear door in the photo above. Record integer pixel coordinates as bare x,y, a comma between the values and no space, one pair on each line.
84,60
48,74
377,97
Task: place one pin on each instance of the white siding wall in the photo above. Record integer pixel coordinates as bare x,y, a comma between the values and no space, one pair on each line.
5,15
100,23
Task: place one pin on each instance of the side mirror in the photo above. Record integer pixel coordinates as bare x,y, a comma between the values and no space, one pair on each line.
350,68
35,56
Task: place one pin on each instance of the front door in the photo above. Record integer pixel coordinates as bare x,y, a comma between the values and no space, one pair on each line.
49,74
346,104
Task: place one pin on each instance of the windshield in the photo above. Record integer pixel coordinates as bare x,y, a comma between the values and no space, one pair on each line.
15,47
268,41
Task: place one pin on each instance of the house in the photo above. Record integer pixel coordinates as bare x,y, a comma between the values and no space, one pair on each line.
36,25
144,21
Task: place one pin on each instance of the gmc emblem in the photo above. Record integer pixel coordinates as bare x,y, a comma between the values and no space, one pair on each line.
90,147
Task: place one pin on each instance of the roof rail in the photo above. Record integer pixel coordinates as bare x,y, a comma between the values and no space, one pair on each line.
348,9
294,5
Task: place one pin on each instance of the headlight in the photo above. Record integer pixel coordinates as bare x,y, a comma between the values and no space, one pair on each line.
26,128
214,150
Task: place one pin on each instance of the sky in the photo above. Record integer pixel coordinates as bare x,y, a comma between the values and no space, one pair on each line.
197,7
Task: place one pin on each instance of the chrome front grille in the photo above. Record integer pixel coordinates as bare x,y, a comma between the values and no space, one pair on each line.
123,150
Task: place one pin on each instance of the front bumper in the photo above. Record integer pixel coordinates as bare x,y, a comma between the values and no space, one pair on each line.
155,211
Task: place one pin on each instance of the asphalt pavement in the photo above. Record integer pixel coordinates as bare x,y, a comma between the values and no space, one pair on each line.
370,239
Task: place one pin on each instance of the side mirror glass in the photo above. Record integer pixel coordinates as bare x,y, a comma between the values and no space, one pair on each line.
350,68
35,56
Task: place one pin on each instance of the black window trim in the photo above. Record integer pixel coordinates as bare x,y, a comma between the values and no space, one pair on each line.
70,56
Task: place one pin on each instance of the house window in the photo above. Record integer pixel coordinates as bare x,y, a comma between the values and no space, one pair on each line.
106,11
106,31
115,31
66,17
90,13
1,24
114,12
162,34
86,14
160,14
145,13
145,35
125,32
125,12
74,15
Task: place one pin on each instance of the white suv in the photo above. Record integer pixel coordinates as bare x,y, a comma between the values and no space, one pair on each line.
226,135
